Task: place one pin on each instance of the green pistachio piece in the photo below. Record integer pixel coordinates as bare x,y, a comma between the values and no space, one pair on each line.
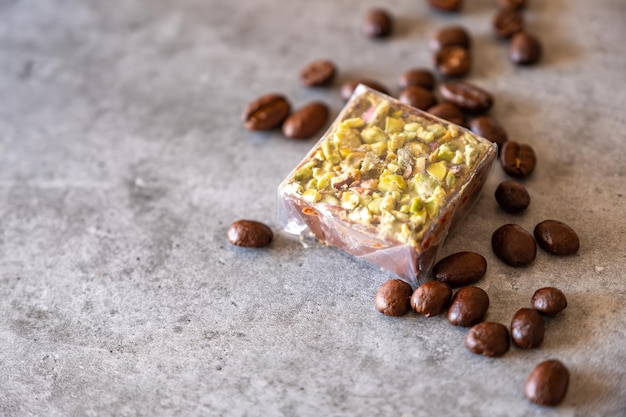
412,127
437,130
312,184
458,158
425,135
355,122
331,153
349,200
312,196
347,138
432,207
303,174
373,134
396,141
419,217
391,182
393,125
471,153
417,148
374,205
437,170
416,205
450,179
379,148
353,160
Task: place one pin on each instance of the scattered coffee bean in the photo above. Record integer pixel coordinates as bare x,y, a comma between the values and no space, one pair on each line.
431,298
513,245
511,4
467,96
549,301
518,160
512,196
547,383
468,306
489,128
557,238
527,328
349,86
450,36
449,112
318,73
525,49
306,121
418,77
418,97
446,5
453,61
508,22
378,23
249,234
393,298
489,339
266,112
460,269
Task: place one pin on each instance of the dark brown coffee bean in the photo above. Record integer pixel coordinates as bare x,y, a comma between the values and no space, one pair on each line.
547,383
525,49
393,298
549,301
489,128
468,307
306,121
266,112
249,234
446,5
418,97
508,22
517,160
450,36
449,112
453,61
489,339
513,245
417,77
512,196
318,73
459,269
349,86
378,23
556,238
527,328
467,96
431,298
511,4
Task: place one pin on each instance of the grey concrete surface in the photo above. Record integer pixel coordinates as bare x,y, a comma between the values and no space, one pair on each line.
123,161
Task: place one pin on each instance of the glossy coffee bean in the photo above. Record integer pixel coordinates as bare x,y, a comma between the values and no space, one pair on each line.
349,86
446,5
393,298
468,306
513,245
511,4
512,196
318,73
466,96
431,298
453,61
450,36
508,22
527,328
418,97
556,238
448,111
549,301
489,128
460,269
488,339
378,23
249,234
547,384
266,112
525,49
306,121
518,159
418,77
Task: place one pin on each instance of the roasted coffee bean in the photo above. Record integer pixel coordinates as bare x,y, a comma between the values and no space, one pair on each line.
417,77
306,121
249,234
459,269
393,298
513,245
525,49
549,301
467,96
527,328
547,383
511,4
266,112
349,86
517,159
489,128
508,22
418,97
488,338
446,5
318,73
557,238
450,36
449,112
512,196
453,61
431,298
468,306
378,23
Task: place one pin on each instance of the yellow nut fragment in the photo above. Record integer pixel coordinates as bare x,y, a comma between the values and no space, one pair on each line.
391,182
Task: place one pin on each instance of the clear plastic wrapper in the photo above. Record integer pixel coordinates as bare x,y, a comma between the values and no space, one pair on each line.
386,183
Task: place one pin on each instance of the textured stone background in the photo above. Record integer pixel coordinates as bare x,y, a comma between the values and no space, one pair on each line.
123,161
